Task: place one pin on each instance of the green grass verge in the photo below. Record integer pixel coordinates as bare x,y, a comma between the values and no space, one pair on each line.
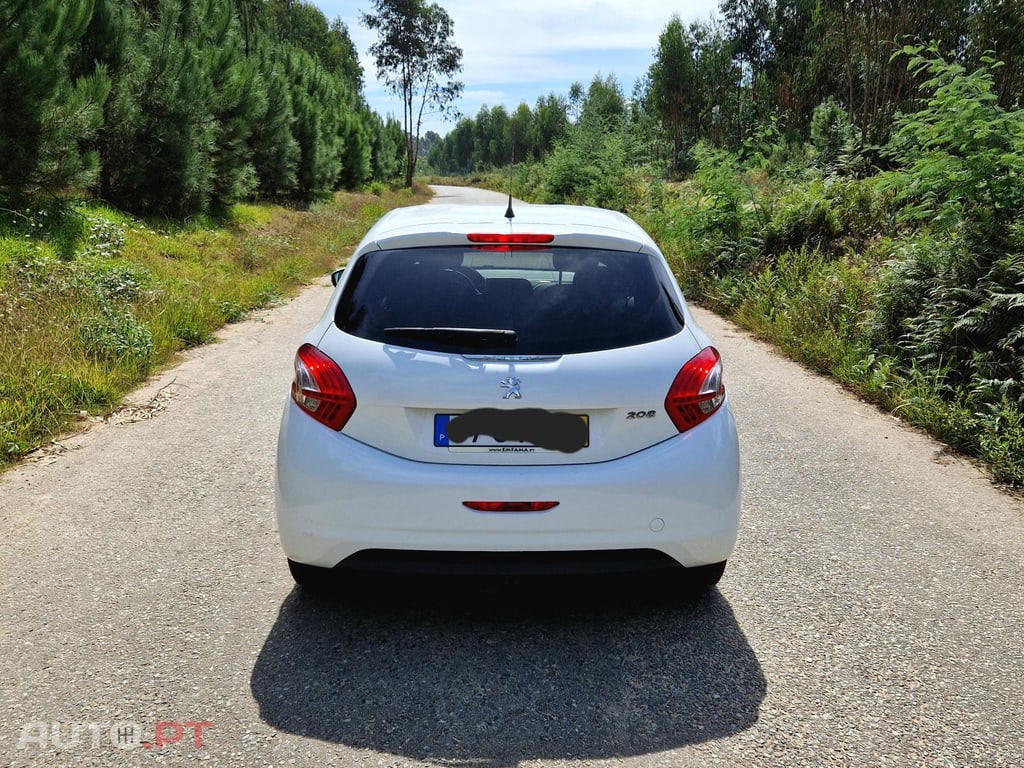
92,301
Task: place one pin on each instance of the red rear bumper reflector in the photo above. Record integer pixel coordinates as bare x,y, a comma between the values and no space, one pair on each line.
510,506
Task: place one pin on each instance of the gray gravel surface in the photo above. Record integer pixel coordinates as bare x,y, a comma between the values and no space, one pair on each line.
870,616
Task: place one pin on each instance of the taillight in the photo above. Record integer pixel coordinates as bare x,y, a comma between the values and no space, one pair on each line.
321,389
697,391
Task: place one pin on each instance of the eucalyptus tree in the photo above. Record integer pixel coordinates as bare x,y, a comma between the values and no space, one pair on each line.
604,104
417,60
858,53
492,138
672,88
551,121
719,86
523,133
773,41
997,29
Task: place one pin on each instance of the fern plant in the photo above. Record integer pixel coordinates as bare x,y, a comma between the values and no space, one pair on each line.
962,304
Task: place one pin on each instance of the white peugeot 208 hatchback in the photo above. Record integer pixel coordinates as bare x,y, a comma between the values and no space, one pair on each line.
507,394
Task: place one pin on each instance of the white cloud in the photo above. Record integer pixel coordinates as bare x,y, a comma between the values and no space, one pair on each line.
484,96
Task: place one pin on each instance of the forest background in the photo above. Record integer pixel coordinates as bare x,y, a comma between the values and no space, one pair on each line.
845,178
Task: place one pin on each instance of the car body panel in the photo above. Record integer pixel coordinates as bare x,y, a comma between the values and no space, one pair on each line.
399,391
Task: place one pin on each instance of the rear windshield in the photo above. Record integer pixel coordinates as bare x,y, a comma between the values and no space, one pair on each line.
555,301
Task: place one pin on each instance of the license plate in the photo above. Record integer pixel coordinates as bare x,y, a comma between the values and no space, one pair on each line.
529,430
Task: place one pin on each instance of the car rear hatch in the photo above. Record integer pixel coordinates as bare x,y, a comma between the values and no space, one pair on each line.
464,409
498,352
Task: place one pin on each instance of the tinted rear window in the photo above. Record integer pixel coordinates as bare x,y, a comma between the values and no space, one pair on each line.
543,302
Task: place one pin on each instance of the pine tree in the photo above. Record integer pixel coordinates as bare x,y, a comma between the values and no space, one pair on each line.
387,158
356,149
316,101
184,148
276,151
46,114
239,98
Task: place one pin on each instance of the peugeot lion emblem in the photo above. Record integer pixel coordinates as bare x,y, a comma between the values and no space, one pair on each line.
512,384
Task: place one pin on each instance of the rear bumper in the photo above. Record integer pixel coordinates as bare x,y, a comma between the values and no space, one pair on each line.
337,498
488,564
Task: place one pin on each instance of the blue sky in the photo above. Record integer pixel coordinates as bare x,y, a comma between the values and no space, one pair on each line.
520,50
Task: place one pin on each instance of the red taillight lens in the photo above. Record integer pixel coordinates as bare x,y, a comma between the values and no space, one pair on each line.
321,389
697,391
511,506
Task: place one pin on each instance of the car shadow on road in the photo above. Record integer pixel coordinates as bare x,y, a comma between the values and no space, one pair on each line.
496,676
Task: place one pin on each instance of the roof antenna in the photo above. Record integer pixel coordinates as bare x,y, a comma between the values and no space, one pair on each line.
509,213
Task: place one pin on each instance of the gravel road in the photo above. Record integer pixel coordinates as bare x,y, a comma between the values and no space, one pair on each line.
871,615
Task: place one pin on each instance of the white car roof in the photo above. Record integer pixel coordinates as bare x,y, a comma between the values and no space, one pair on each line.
571,225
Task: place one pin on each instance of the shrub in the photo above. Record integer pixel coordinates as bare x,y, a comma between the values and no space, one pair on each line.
116,336
832,133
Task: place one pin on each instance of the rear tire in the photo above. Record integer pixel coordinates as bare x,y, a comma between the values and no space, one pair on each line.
312,578
703,577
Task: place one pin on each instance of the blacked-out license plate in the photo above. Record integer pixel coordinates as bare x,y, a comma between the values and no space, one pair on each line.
522,430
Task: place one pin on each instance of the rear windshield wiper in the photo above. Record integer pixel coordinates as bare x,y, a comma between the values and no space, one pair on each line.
481,338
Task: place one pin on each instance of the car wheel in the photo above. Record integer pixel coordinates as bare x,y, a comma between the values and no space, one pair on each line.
703,577
311,577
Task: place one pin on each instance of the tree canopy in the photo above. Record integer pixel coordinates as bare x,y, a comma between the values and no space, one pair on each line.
183,107
764,68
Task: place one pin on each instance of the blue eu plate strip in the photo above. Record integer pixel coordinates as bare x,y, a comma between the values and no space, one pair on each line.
441,429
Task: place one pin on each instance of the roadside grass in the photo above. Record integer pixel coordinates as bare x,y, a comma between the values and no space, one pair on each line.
92,301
